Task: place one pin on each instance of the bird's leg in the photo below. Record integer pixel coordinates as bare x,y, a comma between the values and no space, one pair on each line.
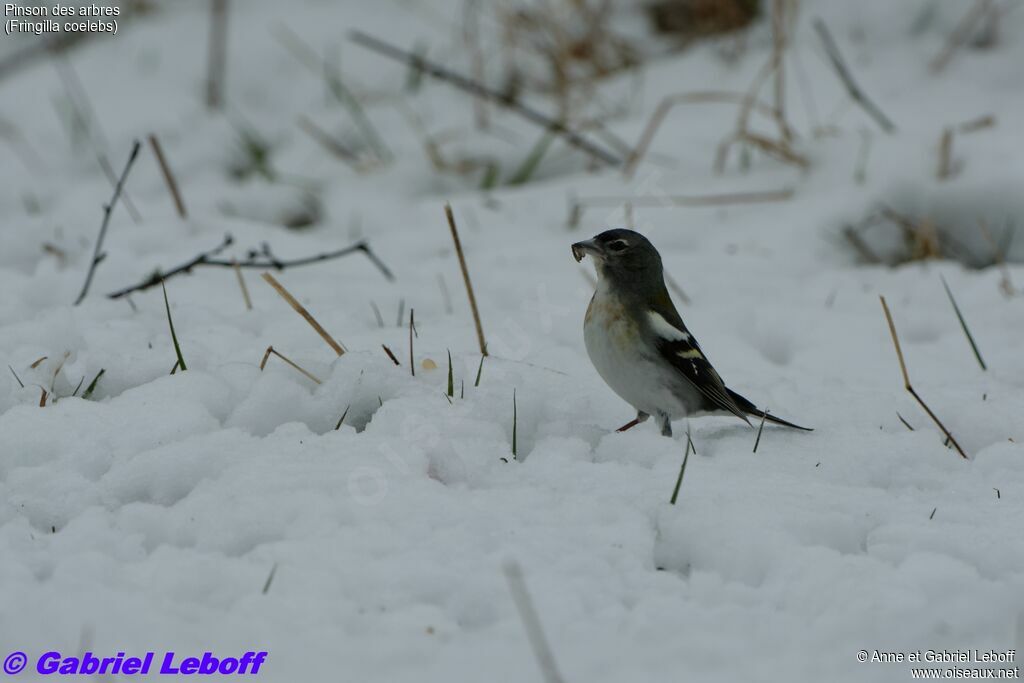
641,416
666,425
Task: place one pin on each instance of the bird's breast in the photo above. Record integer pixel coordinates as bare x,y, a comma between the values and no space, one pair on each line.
607,324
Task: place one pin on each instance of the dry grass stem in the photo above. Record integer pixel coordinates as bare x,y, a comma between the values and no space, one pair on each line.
328,142
271,350
217,56
465,278
479,90
242,286
909,387
301,310
672,101
946,155
531,623
165,169
858,96
960,34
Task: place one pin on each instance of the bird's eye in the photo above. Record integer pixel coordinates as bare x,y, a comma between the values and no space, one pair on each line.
617,245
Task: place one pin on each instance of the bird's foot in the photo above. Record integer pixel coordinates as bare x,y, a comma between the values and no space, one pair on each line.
640,417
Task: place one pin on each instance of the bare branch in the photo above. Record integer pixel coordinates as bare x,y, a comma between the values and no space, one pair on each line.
97,254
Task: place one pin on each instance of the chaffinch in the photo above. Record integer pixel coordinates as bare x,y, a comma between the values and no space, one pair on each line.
639,344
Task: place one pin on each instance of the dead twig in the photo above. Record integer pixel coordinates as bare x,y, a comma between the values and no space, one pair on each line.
301,310
465,278
479,90
854,90
261,261
98,255
909,387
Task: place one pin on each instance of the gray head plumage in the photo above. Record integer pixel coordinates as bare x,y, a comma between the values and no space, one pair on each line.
623,257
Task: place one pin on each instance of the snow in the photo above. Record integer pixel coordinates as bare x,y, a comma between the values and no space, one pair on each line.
149,516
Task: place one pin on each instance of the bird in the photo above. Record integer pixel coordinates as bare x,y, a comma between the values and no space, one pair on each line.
639,344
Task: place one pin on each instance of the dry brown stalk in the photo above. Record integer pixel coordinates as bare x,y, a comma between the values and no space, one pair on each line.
272,350
241,285
479,90
1005,283
780,42
671,101
664,201
326,140
301,310
909,387
843,71
165,169
960,34
217,57
980,123
946,154
465,278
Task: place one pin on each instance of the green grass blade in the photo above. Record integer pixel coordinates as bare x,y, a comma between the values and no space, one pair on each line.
532,160
174,337
963,324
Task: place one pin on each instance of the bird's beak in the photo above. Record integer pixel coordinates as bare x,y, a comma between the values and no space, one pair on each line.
581,249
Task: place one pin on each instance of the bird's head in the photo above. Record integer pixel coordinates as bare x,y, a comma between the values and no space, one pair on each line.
621,255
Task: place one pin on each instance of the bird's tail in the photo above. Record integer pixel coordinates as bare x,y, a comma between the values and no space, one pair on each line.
750,409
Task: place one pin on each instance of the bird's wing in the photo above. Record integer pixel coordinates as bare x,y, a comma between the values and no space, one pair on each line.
680,350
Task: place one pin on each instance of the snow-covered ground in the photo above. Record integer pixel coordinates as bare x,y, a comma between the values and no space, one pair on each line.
149,516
